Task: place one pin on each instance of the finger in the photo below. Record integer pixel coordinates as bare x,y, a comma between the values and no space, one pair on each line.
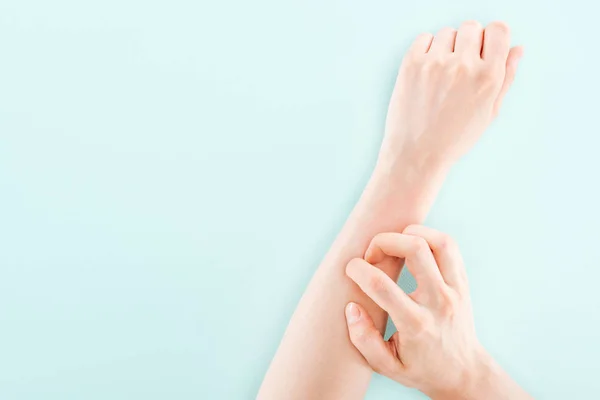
369,342
512,62
469,39
446,253
421,44
443,42
496,42
414,250
383,291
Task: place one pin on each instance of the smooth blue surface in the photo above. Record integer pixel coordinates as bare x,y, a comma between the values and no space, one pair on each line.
171,173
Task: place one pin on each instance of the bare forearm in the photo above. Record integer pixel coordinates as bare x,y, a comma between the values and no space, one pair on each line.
447,91
315,358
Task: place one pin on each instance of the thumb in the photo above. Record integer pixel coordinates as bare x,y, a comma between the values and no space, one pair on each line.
369,342
512,61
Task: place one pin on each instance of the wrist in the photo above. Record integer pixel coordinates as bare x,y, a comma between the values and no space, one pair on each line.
396,161
481,379
409,174
484,379
403,188
408,167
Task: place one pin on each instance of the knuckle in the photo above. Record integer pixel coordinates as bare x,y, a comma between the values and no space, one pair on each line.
448,304
489,76
446,30
463,67
448,297
446,310
445,243
472,24
418,323
410,229
500,26
424,36
433,65
379,238
411,63
377,284
458,70
419,246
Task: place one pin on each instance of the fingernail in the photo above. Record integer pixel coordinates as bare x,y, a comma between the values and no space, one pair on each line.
352,313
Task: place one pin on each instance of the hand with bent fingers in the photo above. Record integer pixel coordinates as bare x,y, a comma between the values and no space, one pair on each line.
449,88
435,348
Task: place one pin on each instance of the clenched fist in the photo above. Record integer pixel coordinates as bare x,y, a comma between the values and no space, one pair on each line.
449,88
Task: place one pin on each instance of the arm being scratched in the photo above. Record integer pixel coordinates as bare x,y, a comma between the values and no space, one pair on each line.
316,359
448,90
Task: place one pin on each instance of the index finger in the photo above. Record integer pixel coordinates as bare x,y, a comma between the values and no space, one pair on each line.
416,252
383,291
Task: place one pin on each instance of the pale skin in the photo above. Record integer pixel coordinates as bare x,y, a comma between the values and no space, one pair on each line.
449,88
435,348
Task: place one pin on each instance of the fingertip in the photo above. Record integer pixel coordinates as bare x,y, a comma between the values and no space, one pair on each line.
351,266
353,313
373,255
369,253
519,49
515,55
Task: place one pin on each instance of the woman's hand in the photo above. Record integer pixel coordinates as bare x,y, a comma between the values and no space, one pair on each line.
435,348
448,90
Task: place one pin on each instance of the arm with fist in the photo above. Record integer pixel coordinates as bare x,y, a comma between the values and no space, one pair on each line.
449,88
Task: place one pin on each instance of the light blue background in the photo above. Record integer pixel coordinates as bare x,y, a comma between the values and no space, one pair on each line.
171,173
